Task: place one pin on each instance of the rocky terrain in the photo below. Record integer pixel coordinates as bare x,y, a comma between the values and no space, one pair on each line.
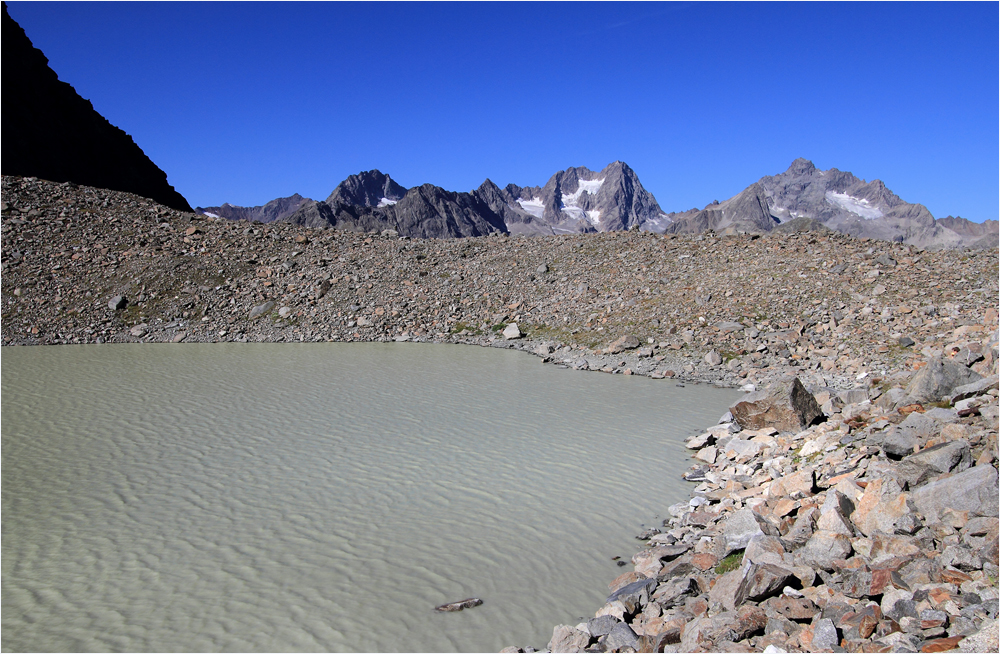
736,309
867,524
51,132
854,509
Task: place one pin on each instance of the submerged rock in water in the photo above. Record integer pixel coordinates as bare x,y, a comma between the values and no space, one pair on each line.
458,606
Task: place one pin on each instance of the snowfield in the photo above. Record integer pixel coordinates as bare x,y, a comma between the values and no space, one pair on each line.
854,205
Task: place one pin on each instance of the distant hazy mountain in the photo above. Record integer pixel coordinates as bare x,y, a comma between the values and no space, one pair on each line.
836,200
746,212
278,209
579,200
50,132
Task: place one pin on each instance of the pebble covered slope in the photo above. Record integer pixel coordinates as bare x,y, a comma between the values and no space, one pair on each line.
872,526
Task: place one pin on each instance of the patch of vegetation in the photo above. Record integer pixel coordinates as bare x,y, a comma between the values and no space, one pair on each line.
461,326
730,563
728,355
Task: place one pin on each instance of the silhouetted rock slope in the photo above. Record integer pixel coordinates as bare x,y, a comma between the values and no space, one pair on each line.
50,132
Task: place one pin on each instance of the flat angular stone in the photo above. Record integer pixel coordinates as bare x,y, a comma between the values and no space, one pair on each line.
891,546
937,379
764,549
824,548
881,506
261,310
649,562
961,557
628,342
899,442
984,640
511,332
621,636
568,639
975,388
750,582
636,592
601,626
675,592
824,635
945,457
764,580
738,529
974,490
784,405
793,608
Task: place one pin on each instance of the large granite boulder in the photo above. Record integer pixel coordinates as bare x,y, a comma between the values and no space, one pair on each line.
568,639
785,405
937,379
974,490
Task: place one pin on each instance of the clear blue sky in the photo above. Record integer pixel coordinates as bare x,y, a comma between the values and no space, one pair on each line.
245,102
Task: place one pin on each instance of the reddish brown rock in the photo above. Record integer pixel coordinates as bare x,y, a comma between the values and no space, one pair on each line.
704,561
784,405
941,644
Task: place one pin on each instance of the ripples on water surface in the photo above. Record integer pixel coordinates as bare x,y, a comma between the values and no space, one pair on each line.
322,496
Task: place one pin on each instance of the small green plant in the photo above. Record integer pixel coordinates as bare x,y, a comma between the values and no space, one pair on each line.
730,563
461,326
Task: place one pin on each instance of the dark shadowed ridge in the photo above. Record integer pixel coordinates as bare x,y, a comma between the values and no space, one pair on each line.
50,132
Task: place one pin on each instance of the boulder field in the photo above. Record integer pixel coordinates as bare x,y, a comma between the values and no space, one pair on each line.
869,527
848,502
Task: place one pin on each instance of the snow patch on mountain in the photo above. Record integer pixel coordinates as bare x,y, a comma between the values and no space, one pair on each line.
583,186
594,217
385,202
533,206
854,205
210,214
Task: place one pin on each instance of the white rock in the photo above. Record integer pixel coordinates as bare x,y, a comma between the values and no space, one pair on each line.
511,331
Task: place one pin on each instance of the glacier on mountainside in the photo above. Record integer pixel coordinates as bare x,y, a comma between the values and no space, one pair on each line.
534,206
854,205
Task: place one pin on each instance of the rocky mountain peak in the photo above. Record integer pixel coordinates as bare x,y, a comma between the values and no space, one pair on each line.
370,188
801,166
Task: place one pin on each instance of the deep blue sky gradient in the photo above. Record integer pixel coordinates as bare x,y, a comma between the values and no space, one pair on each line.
245,102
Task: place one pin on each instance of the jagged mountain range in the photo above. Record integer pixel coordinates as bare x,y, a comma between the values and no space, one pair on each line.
53,133
579,200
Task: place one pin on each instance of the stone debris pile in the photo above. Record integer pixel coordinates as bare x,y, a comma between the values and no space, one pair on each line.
868,526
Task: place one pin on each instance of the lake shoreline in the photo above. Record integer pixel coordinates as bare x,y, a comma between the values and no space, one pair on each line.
860,323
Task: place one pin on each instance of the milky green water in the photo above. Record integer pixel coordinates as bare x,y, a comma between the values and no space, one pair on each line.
252,497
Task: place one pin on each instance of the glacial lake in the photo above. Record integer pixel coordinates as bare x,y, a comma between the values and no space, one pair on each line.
323,497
